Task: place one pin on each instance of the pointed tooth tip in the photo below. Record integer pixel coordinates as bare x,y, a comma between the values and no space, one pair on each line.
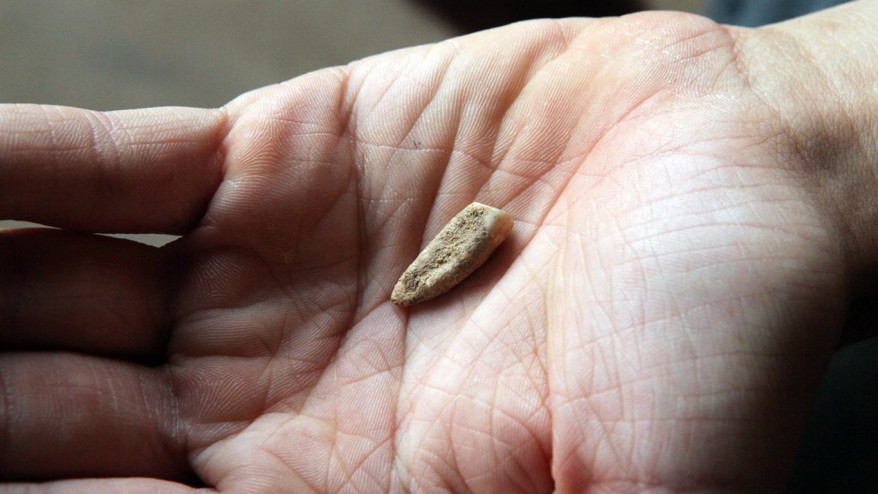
399,296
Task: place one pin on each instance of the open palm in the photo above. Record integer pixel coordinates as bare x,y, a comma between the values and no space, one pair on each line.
652,322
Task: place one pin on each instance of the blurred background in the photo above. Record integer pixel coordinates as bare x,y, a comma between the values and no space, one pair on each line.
114,54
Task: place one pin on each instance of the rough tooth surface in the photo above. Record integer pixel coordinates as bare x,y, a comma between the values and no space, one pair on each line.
463,245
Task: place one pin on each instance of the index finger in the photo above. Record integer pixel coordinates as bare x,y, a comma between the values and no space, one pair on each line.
133,171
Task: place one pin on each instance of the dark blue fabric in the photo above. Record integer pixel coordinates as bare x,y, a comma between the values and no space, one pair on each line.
839,452
754,13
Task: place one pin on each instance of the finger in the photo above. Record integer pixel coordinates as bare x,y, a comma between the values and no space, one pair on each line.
65,415
81,292
130,171
101,486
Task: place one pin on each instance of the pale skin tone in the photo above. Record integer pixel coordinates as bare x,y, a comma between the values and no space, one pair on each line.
690,203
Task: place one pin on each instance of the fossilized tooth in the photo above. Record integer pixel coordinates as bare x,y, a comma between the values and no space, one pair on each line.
463,245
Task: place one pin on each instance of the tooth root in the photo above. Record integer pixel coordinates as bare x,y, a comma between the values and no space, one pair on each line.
463,245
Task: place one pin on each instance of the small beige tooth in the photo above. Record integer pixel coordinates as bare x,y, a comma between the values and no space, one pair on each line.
463,245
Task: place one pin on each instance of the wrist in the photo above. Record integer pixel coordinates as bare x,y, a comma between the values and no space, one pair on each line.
818,74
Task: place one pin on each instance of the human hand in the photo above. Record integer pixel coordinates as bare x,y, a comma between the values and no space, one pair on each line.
659,318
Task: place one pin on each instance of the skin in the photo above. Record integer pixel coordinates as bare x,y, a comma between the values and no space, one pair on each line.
690,205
